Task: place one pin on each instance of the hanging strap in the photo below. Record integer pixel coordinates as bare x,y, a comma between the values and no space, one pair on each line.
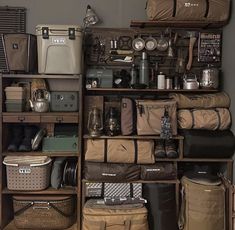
193,119
181,221
131,190
219,119
135,151
174,8
207,8
105,150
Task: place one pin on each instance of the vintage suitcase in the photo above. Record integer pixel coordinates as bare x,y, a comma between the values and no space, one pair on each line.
119,151
161,205
192,10
208,143
199,101
113,189
202,206
108,172
60,144
209,119
44,212
150,113
27,172
21,52
59,49
97,215
158,171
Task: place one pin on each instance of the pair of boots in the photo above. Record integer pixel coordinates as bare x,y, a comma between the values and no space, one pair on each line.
21,138
165,148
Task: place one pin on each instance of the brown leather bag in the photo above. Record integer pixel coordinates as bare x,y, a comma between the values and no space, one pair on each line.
194,10
120,151
210,119
150,113
98,216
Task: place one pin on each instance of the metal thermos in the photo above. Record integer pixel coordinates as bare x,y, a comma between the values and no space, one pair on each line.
144,70
169,83
133,74
161,81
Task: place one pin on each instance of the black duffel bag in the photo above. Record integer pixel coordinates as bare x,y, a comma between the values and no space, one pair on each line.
161,206
208,143
108,172
158,171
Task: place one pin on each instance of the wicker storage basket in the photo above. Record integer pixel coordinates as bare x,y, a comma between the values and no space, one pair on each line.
27,172
44,212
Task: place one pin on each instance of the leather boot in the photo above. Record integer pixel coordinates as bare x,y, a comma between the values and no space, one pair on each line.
171,150
159,151
29,133
17,132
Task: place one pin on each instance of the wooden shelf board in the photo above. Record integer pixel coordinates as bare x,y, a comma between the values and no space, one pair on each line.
52,76
177,24
206,160
40,114
39,153
49,191
146,91
130,137
11,226
176,181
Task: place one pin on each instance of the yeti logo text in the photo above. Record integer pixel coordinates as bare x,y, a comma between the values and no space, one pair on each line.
188,4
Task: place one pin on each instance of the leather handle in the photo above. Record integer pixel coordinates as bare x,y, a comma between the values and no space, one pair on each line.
126,224
191,45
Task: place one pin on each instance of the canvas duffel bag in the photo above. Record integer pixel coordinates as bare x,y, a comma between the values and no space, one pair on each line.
158,171
161,205
108,172
98,216
119,151
208,143
210,119
150,113
202,207
190,10
199,101
44,212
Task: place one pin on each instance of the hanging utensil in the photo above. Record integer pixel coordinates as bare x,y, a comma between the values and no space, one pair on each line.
138,44
162,43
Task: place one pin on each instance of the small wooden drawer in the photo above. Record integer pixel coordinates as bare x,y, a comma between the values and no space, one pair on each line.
59,118
21,118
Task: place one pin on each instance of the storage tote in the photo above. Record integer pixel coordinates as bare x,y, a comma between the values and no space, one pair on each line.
44,212
15,93
21,52
27,172
59,49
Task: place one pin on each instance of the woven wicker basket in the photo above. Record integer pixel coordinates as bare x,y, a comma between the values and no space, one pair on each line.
27,172
40,212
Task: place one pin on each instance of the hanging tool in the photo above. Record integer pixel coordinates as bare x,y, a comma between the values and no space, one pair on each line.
192,40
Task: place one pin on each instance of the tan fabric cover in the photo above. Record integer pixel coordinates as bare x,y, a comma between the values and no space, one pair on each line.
119,151
204,119
203,206
149,114
162,10
195,101
118,217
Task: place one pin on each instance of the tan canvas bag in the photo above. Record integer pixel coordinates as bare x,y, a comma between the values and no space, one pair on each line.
211,119
120,151
150,113
202,207
194,10
199,101
97,216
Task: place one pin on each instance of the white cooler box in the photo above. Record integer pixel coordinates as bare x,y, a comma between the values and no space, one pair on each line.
59,49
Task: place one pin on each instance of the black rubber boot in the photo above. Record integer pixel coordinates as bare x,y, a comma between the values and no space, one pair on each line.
17,132
29,133
171,149
159,151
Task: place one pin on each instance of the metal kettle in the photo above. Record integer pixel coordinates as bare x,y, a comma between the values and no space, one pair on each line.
40,102
210,78
190,81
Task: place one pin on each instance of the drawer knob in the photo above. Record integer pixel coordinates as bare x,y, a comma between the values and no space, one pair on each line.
59,119
21,119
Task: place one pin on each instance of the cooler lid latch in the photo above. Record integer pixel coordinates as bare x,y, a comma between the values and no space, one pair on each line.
71,33
45,32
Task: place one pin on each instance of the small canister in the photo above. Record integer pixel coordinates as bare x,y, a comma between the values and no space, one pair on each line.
169,83
161,81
